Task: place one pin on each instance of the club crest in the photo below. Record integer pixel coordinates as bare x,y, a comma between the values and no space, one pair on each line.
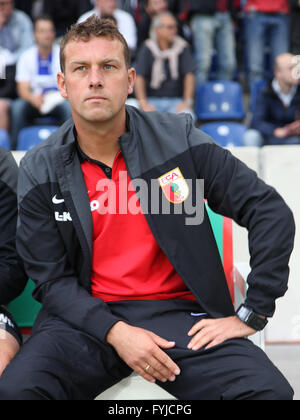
174,186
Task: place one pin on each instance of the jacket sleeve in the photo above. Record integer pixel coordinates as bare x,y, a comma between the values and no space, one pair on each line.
41,246
12,275
235,191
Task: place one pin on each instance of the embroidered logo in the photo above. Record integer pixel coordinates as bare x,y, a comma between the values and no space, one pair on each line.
174,186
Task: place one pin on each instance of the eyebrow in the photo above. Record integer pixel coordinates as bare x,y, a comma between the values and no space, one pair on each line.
107,60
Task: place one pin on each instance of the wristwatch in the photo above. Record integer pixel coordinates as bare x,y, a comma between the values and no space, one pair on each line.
250,318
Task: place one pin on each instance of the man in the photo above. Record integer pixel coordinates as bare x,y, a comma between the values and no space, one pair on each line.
7,87
126,289
276,118
16,32
126,23
212,27
266,25
36,81
151,8
12,275
165,70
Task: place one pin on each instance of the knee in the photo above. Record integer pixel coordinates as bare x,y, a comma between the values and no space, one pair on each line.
281,390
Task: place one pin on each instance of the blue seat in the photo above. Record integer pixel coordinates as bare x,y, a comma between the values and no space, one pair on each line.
220,101
226,134
4,139
254,92
32,136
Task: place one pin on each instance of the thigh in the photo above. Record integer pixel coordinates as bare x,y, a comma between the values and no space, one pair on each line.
236,369
61,363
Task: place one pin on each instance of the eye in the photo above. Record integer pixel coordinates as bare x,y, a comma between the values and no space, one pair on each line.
109,66
80,68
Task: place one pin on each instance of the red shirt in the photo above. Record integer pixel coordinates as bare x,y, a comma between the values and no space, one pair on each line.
127,261
268,6
222,6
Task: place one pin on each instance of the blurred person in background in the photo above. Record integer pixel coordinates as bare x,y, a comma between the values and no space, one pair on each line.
213,28
165,69
276,118
126,22
7,87
295,26
266,25
16,30
150,9
65,12
36,76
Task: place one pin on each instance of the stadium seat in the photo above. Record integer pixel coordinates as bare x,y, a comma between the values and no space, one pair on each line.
255,89
220,101
4,139
32,136
226,134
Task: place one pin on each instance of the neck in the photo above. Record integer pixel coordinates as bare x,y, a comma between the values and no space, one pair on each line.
285,87
101,141
164,45
45,51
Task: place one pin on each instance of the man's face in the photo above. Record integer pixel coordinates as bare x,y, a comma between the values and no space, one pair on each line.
285,71
44,33
6,9
168,30
156,6
96,80
107,7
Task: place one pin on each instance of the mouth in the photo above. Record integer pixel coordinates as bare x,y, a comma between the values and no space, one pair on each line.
96,99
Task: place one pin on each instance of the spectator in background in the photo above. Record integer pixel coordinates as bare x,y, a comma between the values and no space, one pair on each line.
7,87
151,8
295,26
212,27
16,32
126,23
276,118
37,81
165,69
266,24
65,12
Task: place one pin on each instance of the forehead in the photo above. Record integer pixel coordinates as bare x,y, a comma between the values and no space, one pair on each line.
94,49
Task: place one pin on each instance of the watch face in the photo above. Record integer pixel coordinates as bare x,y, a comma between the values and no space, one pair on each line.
243,313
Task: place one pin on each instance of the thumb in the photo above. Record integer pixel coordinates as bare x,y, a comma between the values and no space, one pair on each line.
161,342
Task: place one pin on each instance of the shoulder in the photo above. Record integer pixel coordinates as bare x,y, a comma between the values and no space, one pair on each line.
21,17
122,15
86,15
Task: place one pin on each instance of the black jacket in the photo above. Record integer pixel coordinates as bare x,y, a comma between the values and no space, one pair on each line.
55,228
12,275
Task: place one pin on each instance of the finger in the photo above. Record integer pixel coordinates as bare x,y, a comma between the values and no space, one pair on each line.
199,326
161,342
166,361
160,371
146,375
202,339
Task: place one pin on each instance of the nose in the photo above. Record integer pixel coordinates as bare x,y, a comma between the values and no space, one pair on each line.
96,78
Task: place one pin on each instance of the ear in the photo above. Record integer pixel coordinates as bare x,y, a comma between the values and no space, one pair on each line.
131,80
62,85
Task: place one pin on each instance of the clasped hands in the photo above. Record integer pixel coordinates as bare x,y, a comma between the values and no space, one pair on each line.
143,351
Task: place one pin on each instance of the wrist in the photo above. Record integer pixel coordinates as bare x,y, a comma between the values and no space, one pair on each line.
114,332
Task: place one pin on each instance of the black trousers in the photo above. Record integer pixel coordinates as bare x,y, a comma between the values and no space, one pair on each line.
59,362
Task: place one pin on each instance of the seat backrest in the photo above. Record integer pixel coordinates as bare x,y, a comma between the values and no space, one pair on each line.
220,101
32,136
226,134
4,139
